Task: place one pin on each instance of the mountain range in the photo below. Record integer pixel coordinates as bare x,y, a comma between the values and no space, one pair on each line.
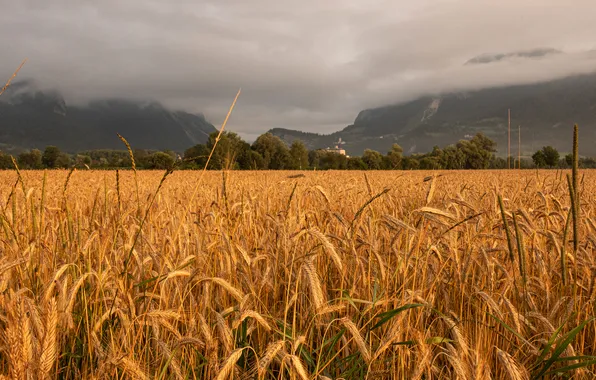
31,118
544,112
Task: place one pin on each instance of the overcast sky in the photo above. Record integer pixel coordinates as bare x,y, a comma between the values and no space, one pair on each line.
309,65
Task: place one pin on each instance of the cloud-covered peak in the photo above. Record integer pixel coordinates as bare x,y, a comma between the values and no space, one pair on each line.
311,65
524,54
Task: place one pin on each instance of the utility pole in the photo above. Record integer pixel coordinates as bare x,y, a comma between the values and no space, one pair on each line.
519,148
509,139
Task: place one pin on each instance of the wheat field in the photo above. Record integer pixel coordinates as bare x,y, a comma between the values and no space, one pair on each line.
274,275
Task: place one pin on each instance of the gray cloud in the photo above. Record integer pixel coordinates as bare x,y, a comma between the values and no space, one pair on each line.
309,65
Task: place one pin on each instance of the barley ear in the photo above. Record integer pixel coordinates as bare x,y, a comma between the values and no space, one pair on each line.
362,347
431,190
14,75
316,291
299,367
49,346
513,369
507,232
270,353
130,153
230,364
575,191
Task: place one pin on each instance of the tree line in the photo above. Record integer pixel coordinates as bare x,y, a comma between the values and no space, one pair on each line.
53,158
269,152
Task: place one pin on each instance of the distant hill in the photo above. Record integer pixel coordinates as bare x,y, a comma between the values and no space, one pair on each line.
30,118
546,112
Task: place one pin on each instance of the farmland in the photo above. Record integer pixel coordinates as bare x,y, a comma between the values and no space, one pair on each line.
277,276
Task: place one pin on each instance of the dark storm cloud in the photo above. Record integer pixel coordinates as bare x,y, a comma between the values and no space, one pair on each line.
308,65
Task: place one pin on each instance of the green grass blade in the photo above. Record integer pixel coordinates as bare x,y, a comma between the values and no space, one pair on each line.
386,316
561,346
571,367
548,345
508,328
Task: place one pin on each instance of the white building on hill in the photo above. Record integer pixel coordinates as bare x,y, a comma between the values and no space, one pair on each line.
338,148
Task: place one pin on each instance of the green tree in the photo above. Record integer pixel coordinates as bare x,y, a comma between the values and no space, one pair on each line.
142,158
526,164
452,158
478,151
63,161
197,155
50,156
551,156
228,150
373,159
254,161
484,143
587,162
333,161
5,161
299,155
30,160
356,163
274,151
429,163
539,159
394,157
498,163
314,158
436,152
113,159
569,159
82,160
410,163
160,160
547,156
105,157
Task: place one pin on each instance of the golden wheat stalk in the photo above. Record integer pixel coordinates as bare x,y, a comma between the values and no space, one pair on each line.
431,190
230,364
270,353
514,370
362,347
317,297
199,182
49,346
14,75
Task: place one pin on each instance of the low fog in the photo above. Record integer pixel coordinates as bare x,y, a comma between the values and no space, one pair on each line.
308,65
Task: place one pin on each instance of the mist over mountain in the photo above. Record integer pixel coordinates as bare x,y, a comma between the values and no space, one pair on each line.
545,112
543,107
534,53
34,118
309,66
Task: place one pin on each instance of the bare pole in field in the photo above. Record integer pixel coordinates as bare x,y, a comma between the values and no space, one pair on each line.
519,147
509,139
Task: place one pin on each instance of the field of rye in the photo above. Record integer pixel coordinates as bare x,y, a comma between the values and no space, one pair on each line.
274,275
